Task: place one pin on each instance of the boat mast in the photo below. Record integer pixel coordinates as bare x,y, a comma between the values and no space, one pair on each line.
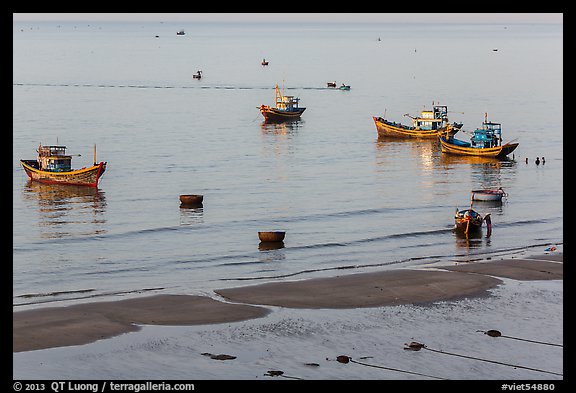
94,154
278,96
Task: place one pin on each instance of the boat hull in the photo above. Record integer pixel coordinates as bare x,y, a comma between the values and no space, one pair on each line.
385,129
488,195
81,177
467,226
497,152
275,115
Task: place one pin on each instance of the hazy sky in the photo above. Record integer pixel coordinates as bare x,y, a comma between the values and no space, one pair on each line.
299,17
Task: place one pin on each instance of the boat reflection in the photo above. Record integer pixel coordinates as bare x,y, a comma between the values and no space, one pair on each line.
425,150
191,215
486,172
266,246
66,210
471,241
271,251
283,128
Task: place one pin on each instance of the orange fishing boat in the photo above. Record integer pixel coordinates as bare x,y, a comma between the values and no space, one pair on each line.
430,124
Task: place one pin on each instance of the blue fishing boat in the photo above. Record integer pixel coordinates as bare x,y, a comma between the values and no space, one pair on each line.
485,142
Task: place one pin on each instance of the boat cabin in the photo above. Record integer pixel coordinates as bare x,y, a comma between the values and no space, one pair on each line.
53,158
490,135
432,120
286,103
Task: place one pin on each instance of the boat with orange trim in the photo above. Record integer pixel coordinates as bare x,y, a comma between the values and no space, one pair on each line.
430,124
53,166
287,108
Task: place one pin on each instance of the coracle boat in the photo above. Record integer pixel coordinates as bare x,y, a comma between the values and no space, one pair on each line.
191,200
286,109
53,166
273,236
430,124
468,221
485,142
488,195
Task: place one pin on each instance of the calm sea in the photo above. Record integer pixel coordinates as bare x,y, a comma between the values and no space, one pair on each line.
346,199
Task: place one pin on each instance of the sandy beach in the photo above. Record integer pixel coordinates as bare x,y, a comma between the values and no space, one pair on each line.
85,323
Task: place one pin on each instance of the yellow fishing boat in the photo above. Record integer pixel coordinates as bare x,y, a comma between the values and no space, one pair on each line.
430,124
485,142
53,166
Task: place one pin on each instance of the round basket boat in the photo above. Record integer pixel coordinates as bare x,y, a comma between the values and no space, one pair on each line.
488,195
274,236
191,200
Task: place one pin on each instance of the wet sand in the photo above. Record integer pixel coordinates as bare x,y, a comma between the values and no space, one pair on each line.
518,269
376,289
85,323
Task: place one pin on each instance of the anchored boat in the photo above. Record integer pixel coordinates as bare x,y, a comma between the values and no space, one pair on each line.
53,166
430,124
485,142
488,195
286,109
468,221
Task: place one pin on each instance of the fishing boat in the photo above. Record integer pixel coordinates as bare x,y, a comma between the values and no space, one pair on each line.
468,221
53,166
488,195
344,87
485,142
430,124
286,108
331,84
180,32
197,75
264,62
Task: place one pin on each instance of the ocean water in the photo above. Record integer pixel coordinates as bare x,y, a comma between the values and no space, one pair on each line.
346,199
